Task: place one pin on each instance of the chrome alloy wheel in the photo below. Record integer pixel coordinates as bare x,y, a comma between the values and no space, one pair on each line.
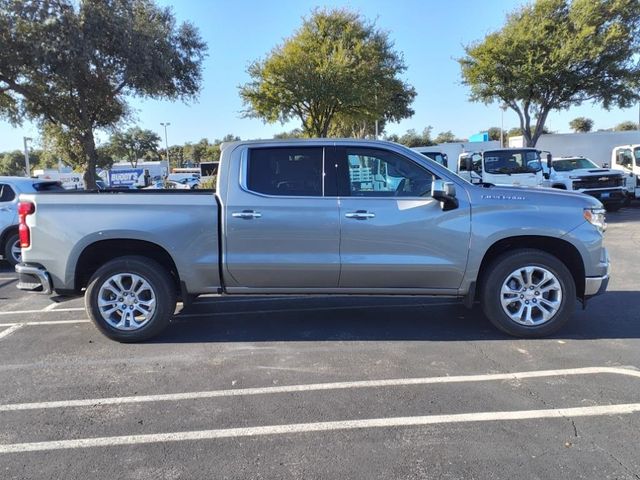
531,295
126,301
16,251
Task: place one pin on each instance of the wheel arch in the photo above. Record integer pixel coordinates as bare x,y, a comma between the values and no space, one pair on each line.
563,250
96,254
10,230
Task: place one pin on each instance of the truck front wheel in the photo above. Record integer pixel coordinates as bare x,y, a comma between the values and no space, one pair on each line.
131,299
528,293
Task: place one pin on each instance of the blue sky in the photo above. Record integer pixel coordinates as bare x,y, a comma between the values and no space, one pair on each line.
429,33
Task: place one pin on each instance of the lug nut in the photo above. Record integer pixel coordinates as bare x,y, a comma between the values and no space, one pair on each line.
537,293
521,296
526,302
531,288
121,299
535,301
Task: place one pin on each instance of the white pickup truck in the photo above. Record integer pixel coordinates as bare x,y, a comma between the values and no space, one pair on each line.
343,217
503,167
626,159
582,175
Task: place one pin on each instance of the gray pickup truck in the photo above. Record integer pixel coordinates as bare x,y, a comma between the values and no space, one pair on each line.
344,217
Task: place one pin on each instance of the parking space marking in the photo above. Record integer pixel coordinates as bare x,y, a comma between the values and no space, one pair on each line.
58,310
556,413
50,322
49,307
398,382
9,331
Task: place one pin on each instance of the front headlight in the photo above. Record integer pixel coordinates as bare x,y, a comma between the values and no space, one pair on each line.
596,217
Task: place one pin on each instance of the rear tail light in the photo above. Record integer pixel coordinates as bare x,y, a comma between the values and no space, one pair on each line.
24,209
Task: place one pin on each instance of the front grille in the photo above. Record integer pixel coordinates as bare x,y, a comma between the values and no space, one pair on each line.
608,181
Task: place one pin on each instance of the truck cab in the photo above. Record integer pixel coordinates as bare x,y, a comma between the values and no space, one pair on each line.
626,159
503,167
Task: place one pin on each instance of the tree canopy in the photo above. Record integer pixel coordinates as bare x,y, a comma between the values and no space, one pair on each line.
553,54
73,63
135,144
338,71
625,126
412,138
581,124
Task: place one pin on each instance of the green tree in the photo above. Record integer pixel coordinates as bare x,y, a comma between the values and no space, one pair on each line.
295,133
553,54
12,163
336,69
494,134
412,138
581,124
625,126
134,144
73,63
447,137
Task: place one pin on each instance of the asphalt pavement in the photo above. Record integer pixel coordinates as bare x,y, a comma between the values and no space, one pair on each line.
322,387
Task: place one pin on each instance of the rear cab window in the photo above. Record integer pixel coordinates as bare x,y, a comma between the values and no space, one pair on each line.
48,187
286,171
6,193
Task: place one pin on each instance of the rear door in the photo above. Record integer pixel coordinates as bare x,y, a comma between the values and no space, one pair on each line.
282,222
394,235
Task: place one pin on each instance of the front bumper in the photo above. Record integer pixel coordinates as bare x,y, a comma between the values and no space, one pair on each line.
597,285
607,196
33,278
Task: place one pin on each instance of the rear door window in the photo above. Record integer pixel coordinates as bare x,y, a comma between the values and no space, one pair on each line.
287,171
6,193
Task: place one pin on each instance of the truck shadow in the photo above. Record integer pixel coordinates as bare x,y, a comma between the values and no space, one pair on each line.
379,319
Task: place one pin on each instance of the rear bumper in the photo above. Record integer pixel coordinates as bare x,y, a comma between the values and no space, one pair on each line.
33,278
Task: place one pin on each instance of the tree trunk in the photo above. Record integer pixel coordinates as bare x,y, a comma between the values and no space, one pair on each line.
89,147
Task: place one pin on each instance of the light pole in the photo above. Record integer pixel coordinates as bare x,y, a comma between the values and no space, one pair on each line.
503,108
166,144
26,155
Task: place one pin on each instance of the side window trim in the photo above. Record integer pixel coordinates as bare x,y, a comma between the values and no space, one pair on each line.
244,173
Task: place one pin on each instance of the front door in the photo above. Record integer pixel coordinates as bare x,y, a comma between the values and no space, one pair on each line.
282,223
393,234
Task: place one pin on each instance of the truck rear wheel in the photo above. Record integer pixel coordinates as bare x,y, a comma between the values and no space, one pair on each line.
131,299
528,293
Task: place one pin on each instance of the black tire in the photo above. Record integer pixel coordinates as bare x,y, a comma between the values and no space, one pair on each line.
8,255
497,274
612,207
159,280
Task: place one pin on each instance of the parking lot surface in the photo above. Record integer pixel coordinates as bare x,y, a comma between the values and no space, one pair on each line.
297,387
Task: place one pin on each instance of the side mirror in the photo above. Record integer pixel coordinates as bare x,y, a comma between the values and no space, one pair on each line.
445,193
549,161
468,164
546,176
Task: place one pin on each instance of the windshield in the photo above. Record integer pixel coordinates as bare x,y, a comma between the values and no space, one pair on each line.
568,164
437,157
636,154
512,161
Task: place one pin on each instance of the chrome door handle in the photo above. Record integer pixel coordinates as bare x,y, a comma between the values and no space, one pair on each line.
360,215
246,214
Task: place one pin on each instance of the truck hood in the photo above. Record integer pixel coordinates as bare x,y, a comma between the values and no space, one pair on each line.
542,197
588,172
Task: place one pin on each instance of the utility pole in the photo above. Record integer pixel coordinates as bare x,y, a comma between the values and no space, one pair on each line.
26,155
166,144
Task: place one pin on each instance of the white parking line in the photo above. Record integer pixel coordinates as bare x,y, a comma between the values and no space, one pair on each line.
558,413
90,402
49,307
50,322
10,330
21,312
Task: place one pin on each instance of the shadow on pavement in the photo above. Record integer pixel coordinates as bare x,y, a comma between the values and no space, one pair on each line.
614,315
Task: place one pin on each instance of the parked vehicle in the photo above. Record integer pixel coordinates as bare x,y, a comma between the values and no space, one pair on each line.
436,156
10,189
626,159
303,217
167,184
503,166
452,150
582,175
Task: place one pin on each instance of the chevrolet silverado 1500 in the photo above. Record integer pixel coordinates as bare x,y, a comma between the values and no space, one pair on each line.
317,217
